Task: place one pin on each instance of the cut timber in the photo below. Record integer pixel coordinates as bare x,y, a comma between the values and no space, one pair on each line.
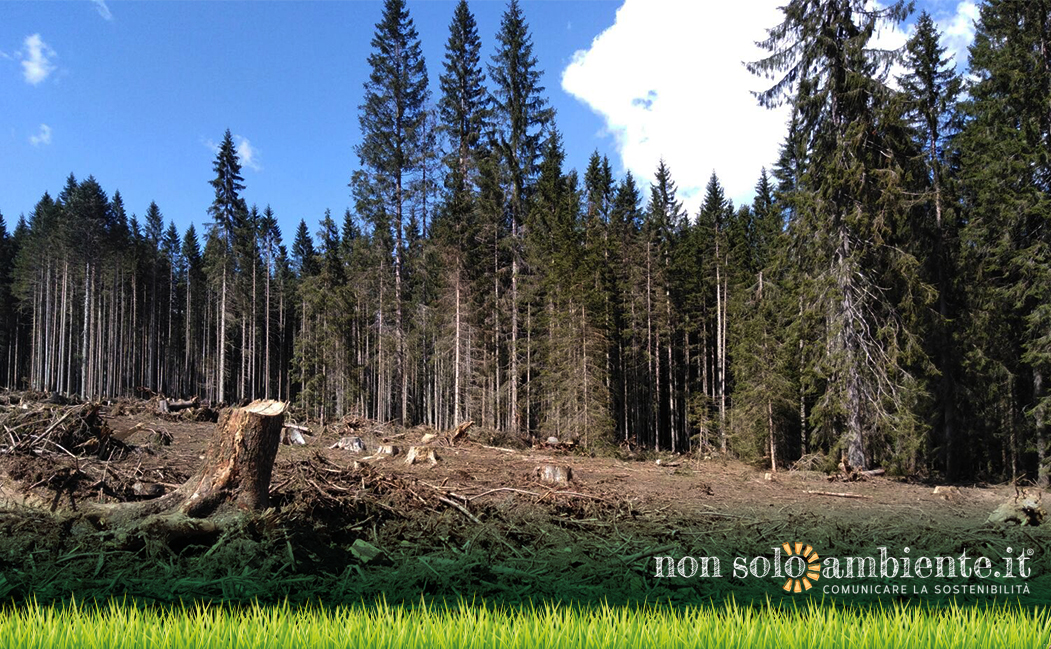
165,406
387,449
1023,509
552,474
418,454
874,472
460,431
292,435
352,444
836,494
234,478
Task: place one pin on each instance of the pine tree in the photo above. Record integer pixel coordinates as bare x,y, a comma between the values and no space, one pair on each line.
931,88
462,107
625,217
763,362
226,211
270,237
7,303
193,327
463,113
662,230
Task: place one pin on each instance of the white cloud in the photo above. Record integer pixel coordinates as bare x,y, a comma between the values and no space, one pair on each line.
36,58
103,10
668,80
43,136
248,154
958,31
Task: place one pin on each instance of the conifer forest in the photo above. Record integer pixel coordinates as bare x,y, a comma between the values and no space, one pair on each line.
885,298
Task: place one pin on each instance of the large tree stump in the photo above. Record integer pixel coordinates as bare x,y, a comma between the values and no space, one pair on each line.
234,478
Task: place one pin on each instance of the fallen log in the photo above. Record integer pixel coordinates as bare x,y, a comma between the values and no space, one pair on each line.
836,494
167,406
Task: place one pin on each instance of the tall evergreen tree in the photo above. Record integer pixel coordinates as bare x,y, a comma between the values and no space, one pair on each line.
1005,176
462,107
521,112
227,210
930,88
850,201
393,120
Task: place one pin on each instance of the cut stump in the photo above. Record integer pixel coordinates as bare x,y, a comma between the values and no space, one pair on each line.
552,474
234,478
352,444
420,454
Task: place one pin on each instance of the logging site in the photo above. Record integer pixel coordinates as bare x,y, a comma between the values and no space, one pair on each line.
178,499
595,324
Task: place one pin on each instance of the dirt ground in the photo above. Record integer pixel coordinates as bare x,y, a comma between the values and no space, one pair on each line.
480,522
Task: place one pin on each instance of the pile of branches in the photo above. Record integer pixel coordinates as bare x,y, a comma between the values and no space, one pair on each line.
74,430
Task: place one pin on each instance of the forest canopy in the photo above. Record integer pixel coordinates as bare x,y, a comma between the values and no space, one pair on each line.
885,298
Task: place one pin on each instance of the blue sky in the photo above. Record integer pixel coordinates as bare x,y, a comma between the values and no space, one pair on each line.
137,93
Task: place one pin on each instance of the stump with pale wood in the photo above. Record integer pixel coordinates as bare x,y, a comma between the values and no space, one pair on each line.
234,479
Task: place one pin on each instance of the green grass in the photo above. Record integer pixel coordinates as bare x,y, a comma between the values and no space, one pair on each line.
721,626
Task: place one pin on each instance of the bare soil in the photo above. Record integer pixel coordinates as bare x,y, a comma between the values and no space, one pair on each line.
478,523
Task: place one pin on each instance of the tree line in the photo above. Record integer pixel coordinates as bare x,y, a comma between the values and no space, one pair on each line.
884,298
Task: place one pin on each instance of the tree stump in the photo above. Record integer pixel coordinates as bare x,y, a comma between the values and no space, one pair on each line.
420,454
552,474
234,478
460,431
352,444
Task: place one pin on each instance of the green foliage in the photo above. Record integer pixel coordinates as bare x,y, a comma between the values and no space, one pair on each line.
473,624
1004,175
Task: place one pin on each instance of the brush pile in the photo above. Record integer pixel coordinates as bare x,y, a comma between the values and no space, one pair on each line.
41,427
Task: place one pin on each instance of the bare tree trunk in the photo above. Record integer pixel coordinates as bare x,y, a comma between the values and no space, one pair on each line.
848,346
719,351
266,345
456,365
770,433
221,378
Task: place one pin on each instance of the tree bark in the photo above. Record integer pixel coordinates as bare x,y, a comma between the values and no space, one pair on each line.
235,475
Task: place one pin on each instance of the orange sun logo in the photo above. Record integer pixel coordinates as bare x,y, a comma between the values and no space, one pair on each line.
806,570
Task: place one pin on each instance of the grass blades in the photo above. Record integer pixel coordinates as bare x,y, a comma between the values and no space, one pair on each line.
118,626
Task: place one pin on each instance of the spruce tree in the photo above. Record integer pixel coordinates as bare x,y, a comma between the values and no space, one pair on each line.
521,113
227,211
463,105
930,88
1005,177
849,200
393,120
